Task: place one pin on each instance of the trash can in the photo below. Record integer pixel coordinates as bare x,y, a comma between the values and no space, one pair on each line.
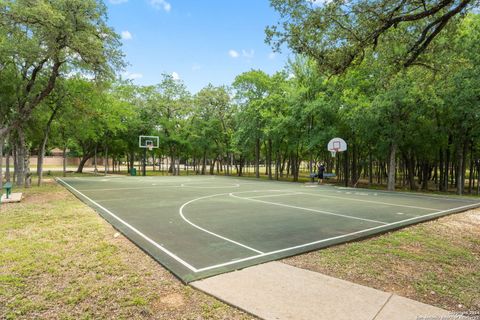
133,171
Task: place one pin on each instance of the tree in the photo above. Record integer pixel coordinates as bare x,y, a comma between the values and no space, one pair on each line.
42,41
210,124
91,116
340,34
168,106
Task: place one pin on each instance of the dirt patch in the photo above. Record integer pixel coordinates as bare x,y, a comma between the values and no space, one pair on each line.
44,198
173,300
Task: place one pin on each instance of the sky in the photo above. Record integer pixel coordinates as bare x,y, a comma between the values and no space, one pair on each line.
197,41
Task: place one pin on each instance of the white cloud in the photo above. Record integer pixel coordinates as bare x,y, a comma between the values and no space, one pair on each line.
175,76
117,1
232,53
132,75
248,54
126,35
196,67
161,4
272,55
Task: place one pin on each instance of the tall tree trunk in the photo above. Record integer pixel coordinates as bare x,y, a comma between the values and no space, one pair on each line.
86,155
447,168
269,159
15,165
204,162
241,164
370,168
41,155
27,174
459,174
20,161
7,165
106,159
95,170
212,166
425,173
83,160
441,165
354,165
346,166
392,167
64,153
257,158
472,169
131,159
411,171
40,158
277,164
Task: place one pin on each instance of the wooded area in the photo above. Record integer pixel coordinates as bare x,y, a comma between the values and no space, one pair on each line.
405,97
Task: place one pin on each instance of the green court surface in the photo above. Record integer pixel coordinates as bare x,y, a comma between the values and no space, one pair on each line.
200,226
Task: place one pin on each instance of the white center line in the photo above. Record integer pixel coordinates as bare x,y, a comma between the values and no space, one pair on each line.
368,201
274,195
309,209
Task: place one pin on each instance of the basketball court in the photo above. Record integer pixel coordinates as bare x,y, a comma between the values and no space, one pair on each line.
199,226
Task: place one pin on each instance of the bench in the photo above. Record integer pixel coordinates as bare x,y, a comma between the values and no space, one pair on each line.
325,175
329,175
8,188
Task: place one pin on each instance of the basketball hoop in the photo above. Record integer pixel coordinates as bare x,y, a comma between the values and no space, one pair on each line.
150,147
336,145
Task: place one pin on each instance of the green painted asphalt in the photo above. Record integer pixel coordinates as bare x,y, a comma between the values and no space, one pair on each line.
199,226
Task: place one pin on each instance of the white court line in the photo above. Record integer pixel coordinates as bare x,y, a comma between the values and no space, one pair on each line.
308,209
199,186
370,201
335,238
178,259
210,232
197,270
410,194
132,188
129,199
274,195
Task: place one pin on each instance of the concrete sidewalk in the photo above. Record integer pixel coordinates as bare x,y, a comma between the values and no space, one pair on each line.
275,290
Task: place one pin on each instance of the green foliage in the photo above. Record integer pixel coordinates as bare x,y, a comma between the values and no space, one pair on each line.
41,41
341,34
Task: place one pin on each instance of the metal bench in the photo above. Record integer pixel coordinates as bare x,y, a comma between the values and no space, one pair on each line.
325,175
329,175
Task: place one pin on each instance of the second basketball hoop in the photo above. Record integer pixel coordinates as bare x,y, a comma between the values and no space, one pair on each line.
336,145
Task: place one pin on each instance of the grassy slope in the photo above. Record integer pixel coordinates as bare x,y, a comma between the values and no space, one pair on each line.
437,262
59,259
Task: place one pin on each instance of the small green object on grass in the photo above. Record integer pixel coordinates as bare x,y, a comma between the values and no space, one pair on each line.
8,188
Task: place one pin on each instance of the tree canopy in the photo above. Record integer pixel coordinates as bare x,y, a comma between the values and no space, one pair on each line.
339,34
414,128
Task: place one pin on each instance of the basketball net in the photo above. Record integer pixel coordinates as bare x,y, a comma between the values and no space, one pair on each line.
150,147
333,152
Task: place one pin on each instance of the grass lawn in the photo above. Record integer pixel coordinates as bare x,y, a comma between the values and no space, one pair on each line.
437,262
60,260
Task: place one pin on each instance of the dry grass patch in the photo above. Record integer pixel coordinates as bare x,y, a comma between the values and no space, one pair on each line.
60,260
436,262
